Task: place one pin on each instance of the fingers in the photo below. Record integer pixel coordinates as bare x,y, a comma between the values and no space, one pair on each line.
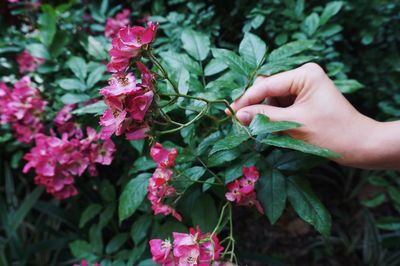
274,86
246,114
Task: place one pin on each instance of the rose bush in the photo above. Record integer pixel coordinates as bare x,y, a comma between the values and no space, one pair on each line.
117,148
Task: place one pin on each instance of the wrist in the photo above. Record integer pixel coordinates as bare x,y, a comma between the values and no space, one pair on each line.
377,145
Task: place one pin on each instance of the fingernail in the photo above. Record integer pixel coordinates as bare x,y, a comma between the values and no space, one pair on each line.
227,112
243,116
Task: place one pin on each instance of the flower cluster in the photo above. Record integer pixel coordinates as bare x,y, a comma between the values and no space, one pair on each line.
58,160
128,104
187,249
158,188
128,44
22,107
27,62
85,263
113,25
242,191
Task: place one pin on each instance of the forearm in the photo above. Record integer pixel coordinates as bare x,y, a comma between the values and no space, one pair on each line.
380,146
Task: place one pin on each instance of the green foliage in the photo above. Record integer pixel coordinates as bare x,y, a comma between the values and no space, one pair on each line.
212,51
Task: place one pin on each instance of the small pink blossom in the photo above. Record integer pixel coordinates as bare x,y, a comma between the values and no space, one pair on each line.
27,62
193,248
138,105
242,191
113,25
120,84
163,157
137,132
161,252
112,122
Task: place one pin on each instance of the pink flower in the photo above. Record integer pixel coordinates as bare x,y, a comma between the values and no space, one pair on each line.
114,24
22,106
86,263
112,122
137,36
137,133
188,249
161,252
120,84
64,115
210,250
234,193
103,154
138,105
251,176
163,157
127,44
27,62
57,161
166,210
242,191
146,76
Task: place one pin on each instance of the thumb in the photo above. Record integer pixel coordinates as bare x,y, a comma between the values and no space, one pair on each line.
246,114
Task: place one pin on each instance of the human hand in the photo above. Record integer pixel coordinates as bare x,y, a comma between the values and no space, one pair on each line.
306,95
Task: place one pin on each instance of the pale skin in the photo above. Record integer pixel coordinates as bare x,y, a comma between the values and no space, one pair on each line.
306,95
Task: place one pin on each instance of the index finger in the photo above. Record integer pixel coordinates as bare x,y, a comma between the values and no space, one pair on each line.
273,86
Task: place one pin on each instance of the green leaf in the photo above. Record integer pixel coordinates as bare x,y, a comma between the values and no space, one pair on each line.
116,242
330,10
78,67
89,213
178,61
394,194
47,25
80,249
183,81
204,213
374,201
132,196
234,62
148,262
311,24
71,84
95,76
107,191
136,253
262,125
222,157
389,223
196,44
140,227
214,66
299,145
307,205
38,50
26,206
252,49
194,173
271,192
61,39
229,142
207,185
71,98
94,108
290,49
96,49
348,85
284,64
